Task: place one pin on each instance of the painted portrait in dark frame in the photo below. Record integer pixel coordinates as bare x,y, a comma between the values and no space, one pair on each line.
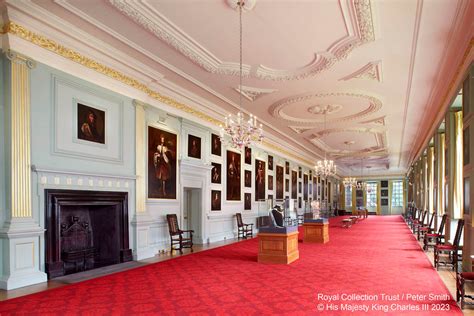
194,146
260,175
162,167
279,182
90,124
233,176
216,145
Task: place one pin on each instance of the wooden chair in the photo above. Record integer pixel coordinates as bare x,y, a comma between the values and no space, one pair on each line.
177,235
418,224
461,280
415,218
425,228
244,230
451,251
432,239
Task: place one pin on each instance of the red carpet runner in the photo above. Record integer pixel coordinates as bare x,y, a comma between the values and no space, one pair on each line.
376,257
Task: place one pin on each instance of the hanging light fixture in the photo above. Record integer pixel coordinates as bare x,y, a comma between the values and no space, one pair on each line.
326,167
361,185
368,187
349,181
241,132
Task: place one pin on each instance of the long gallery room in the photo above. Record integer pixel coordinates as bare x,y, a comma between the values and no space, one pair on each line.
236,157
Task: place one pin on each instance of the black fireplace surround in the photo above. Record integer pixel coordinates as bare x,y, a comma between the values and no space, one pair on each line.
85,230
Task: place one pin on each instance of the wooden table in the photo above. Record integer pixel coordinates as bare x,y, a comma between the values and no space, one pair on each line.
279,248
316,232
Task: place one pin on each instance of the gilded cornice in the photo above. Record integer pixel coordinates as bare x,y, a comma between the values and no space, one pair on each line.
20,31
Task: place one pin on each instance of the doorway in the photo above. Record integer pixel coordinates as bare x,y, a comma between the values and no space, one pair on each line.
192,212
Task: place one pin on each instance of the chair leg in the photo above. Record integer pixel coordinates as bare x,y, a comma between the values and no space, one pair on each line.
436,258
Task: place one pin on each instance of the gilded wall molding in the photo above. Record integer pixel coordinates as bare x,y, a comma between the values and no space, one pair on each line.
20,31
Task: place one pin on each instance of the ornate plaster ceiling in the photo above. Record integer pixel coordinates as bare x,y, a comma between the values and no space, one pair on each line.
371,66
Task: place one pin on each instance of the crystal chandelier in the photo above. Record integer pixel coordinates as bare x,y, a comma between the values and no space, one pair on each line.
349,181
326,167
241,132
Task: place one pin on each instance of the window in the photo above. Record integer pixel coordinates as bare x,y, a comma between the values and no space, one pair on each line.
348,196
397,194
371,194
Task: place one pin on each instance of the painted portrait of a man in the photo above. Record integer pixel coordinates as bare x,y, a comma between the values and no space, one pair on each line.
90,124
161,164
279,182
233,176
259,180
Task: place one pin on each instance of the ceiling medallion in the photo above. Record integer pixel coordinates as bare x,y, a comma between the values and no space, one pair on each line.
247,5
325,109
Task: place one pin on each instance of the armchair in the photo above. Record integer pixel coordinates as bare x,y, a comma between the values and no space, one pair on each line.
177,235
244,230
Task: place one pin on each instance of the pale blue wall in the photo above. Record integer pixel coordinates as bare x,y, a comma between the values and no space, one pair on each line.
43,133
46,99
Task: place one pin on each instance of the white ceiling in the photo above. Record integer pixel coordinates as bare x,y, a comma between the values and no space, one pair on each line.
374,65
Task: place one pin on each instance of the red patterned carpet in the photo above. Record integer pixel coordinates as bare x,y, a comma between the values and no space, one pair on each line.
376,256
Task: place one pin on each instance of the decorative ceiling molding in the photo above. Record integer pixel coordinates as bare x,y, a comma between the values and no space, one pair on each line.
147,17
377,121
300,130
357,16
251,93
349,129
14,29
379,137
325,109
371,71
276,110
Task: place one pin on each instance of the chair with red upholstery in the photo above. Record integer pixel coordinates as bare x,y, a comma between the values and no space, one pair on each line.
451,251
426,228
418,224
415,219
461,280
433,239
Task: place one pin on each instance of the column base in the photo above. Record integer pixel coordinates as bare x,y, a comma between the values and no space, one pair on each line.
20,247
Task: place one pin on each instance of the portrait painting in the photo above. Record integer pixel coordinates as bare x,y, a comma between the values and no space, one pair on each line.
216,145
299,187
248,155
216,173
310,175
279,182
248,179
270,162
305,187
287,185
233,176
270,182
215,200
300,172
300,204
194,146
90,124
259,180
162,167
247,201
384,202
287,167
294,185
